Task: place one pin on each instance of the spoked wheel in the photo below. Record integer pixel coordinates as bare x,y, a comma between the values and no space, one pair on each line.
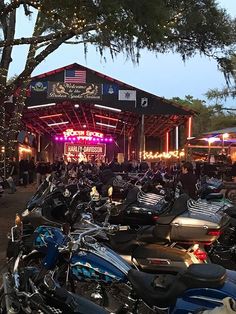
230,194
2,301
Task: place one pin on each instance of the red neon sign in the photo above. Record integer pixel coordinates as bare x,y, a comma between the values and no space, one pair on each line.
82,133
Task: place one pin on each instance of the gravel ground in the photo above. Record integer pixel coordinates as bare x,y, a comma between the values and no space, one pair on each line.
10,204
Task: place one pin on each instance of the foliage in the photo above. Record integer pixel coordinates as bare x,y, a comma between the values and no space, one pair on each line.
207,118
228,91
186,26
183,26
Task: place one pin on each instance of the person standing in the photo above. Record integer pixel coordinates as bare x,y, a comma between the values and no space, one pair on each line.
12,175
24,171
41,171
31,170
188,180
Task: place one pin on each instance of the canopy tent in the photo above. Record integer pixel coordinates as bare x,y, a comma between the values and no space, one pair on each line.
223,141
222,131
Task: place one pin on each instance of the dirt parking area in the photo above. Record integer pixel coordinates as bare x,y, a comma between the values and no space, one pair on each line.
10,204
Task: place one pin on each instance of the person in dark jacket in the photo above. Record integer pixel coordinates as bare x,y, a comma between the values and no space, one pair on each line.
115,166
31,170
24,171
188,180
41,171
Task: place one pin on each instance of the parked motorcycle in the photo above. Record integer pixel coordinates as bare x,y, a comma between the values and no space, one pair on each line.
79,257
173,243
21,292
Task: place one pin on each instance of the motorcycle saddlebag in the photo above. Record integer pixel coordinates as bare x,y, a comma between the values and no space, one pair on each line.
154,258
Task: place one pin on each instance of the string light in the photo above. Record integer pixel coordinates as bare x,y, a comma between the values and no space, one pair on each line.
164,155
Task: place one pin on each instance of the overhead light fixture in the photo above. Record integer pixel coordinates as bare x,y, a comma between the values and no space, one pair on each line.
107,108
44,105
107,118
76,105
107,125
51,116
58,123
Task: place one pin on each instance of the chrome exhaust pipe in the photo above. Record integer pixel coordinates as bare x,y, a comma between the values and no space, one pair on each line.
8,292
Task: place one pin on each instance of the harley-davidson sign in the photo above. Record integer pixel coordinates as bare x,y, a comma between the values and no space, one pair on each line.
59,90
75,149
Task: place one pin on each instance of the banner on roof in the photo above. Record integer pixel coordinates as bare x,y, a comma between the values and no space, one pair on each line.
127,95
59,90
38,86
110,89
144,102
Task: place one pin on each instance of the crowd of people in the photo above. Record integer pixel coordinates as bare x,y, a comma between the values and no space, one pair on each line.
28,171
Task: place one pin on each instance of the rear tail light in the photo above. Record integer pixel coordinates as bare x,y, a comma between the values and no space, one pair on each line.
155,218
214,232
200,254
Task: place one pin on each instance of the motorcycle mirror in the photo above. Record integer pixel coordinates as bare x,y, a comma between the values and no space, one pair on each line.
94,194
67,193
110,192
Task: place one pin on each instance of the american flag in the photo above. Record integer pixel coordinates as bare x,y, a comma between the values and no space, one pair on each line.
75,76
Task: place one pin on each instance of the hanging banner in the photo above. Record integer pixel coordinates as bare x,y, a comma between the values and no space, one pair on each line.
74,149
38,87
59,90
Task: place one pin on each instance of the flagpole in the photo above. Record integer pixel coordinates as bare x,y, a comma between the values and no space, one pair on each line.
124,141
141,139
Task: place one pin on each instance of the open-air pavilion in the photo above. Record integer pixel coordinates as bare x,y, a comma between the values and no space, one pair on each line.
92,105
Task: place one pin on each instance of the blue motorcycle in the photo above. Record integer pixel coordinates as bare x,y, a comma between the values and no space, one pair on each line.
21,292
80,260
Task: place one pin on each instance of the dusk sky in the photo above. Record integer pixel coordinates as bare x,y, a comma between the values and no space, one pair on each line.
164,75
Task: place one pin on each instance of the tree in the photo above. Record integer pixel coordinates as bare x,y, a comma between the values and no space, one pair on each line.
183,26
207,118
230,89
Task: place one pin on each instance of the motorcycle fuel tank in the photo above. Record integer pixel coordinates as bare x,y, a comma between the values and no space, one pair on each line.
98,263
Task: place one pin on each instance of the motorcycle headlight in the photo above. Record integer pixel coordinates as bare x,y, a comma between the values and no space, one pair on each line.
36,210
25,213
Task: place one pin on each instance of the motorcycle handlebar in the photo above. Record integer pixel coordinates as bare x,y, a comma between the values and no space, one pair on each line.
93,231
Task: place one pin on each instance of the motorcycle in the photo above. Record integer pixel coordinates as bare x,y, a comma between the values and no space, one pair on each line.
78,257
21,292
173,243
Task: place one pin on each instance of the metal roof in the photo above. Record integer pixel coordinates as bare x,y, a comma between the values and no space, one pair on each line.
161,115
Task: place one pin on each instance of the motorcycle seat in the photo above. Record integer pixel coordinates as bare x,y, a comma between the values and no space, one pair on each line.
123,241
212,196
163,290
165,220
178,208
124,236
